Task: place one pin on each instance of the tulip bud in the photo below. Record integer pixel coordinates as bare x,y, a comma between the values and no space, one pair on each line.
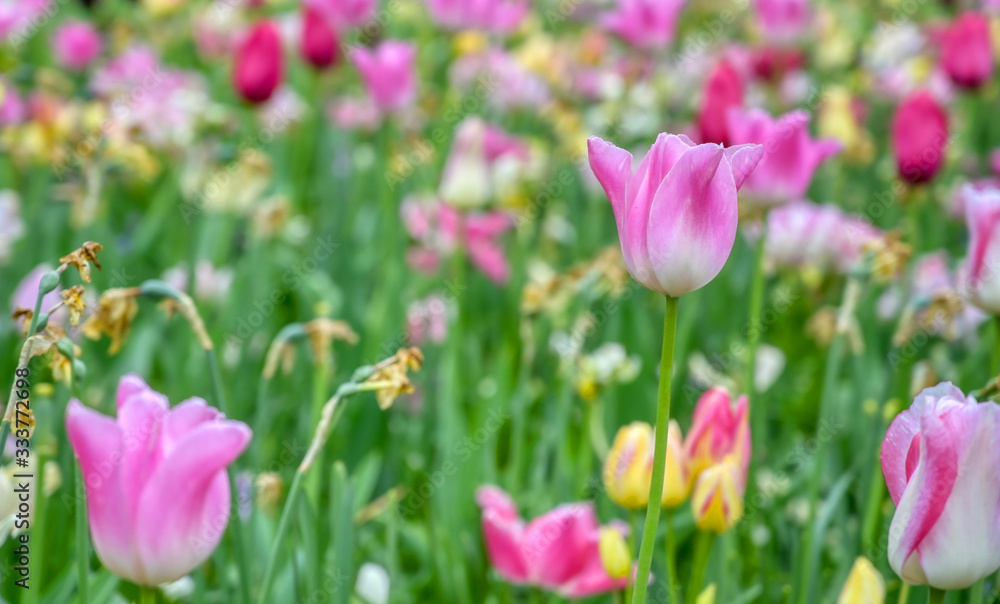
717,500
941,467
628,468
258,70
677,213
318,44
615,557
76,44
919,137
966,50
864,585
723,91
718,431
707,595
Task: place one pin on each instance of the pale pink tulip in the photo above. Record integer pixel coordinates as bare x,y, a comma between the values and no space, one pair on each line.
558,551
677,213
982,215
158,497
645,23
802,234
26,293
482,159
389,74
791,156
344,14
941,462
490,15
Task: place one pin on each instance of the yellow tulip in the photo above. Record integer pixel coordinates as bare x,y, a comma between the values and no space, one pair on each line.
615,557
628,468
717,502
864,585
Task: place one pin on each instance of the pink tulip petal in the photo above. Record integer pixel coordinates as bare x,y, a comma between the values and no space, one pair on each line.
692,223
140,418
503,536
612,167
742,160
97,443
185,417
554,544
181,525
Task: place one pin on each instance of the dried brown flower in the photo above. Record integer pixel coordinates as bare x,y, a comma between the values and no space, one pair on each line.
82,258
73,299
322,332
114,314
392,374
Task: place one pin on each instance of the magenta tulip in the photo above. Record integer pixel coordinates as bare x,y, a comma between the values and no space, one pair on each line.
259,63
645,23
677,213
388,73
791,156
941,462
966,50
919,137
982,216
318,44
558,551
723,91
499,16
158,497
76,44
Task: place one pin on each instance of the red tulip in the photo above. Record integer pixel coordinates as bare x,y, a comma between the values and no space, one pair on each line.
319,45
919,137
259,69
723,90
966,51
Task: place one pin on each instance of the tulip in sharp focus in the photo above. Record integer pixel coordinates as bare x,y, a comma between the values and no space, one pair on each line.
677,213
718,430
158,497
388,73
558,551
76,44
723,91
966,50
490,15
791,155
259,63
982,216
864,585
645,23
941,462
318,44
919,137
628,468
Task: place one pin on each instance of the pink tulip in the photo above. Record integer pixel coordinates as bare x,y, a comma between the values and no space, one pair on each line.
791,156
919,137
941,462
482,158
966,50
677,213
12,106
982,216
718,430
427,320
803,234
158,498
499,16
389,74
440,228
558,551
723,91
645,23
259,63
26,293
318,43
76,44
344,14
782,19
